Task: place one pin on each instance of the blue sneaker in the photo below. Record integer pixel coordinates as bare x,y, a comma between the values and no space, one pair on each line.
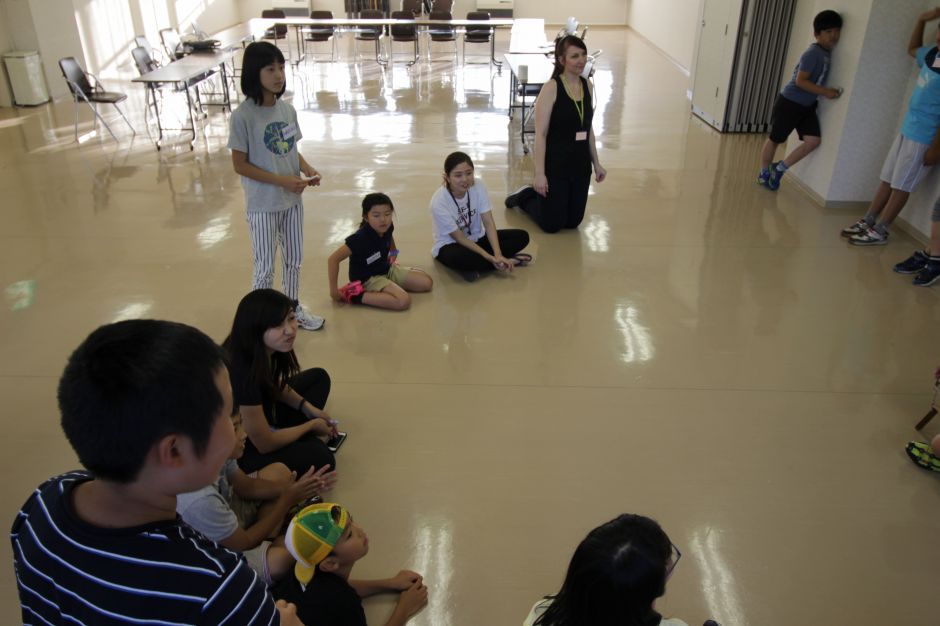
763,177
773,183
930,274
912,264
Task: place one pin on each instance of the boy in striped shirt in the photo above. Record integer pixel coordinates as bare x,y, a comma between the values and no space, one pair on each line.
146,406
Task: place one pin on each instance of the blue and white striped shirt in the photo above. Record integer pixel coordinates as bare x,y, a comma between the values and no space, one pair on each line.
165,573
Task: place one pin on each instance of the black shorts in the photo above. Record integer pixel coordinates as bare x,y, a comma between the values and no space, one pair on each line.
788,115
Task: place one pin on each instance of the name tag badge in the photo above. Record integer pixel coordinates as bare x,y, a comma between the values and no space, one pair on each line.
372,259
289,131
581,135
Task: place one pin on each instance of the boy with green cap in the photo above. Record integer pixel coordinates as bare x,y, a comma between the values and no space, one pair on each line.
327,543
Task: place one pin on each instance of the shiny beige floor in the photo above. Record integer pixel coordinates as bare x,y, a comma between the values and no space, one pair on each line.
701,351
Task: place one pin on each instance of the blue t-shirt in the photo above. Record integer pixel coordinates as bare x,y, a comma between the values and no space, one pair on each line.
815,61
923,109
369,253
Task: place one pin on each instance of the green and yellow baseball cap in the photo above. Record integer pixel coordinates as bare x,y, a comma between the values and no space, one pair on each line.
312,534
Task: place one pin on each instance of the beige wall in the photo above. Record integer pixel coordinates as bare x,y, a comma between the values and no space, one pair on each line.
671,25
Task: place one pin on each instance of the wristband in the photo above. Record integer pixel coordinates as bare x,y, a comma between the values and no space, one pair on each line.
300,405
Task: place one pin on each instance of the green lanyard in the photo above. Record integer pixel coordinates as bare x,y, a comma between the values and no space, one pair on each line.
579,103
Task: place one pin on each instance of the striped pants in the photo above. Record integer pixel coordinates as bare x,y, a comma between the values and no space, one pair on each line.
270,230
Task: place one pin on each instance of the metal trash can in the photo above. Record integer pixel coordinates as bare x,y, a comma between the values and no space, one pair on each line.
26,77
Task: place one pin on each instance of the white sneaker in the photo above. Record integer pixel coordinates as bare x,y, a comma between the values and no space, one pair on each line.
307,320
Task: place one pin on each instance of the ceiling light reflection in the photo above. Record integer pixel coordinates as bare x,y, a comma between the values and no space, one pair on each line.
637,341
365,181
434,552
340,229
597,233
718,582
218,229
133,311
21,294
480,127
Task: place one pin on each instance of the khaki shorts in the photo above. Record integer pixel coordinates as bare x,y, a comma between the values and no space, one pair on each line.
396,275
245,510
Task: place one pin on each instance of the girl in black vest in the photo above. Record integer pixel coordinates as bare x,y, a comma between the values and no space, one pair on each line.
564,144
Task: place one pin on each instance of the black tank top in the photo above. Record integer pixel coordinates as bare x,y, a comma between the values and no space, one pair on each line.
563,155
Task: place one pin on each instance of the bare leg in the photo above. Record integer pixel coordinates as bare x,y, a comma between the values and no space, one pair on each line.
933,249
880,200
418,281
809,144
280,561
275,472
767,153
892,208
392,297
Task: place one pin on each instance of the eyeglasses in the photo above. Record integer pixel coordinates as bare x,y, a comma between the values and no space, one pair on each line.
673,560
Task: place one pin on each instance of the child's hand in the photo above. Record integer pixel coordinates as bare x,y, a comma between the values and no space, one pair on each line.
336,295
293,184
403,580
393,257
313,176
288,613
832,94
313,482
312,173
413,599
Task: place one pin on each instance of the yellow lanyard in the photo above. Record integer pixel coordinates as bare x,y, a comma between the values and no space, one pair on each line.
579,103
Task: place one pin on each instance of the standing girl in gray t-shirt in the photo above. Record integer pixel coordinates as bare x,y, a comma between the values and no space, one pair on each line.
263,141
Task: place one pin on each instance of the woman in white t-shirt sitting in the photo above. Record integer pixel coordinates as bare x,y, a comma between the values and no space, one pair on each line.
462,215
615,576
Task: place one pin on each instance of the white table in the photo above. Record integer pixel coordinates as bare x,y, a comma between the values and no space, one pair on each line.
182,72
538,72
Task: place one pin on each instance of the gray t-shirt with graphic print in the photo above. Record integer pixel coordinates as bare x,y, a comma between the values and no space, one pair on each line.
269,135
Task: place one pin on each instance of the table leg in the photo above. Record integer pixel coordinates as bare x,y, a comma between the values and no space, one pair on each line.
192,120
226,99
156,111
512,92
300,42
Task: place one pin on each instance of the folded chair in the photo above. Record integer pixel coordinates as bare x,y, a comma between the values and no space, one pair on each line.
83,90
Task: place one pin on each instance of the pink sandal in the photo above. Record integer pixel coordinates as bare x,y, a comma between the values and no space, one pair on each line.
351,290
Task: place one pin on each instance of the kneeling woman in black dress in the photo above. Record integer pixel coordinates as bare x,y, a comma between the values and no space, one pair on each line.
564,144
281,407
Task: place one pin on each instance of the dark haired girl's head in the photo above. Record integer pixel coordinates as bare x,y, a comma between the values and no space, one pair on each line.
615,575
562,47
262,56
269,366
377,210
